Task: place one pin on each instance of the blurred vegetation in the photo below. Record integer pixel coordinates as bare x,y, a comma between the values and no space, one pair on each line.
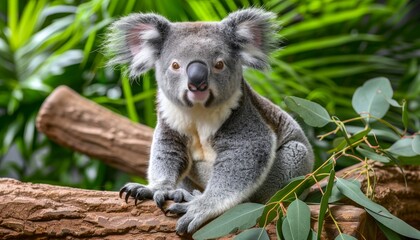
329,48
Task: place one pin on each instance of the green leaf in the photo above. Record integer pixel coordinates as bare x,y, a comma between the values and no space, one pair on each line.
383,133
416,144
405,117
350,141
312,113
253,234
312,235
371,98
270,211
328,19
410,160
29,132
353,192
344,236
393,102
324,43
336,195
389,234
296,186
131,108
324,202
279,223
372,155
299,220
285,228
403,147
241,217
396,224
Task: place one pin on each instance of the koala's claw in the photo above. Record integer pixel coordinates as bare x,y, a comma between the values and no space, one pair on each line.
127,195
177,208
160,197
135,190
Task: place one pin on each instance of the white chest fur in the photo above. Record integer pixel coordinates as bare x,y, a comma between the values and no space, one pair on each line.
199,123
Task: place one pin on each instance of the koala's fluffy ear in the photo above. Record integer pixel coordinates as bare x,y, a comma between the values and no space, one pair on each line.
136,40
254,33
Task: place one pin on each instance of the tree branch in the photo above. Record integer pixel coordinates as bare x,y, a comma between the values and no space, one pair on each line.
86,127
41,211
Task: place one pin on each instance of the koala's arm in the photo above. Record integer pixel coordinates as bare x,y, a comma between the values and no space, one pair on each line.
168,159
168,162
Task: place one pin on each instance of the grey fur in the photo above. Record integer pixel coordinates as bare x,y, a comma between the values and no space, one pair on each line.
219,147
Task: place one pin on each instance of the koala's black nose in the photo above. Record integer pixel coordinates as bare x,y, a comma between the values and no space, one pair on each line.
197,76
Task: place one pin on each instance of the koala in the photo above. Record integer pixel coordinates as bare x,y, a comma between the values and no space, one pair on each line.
217,142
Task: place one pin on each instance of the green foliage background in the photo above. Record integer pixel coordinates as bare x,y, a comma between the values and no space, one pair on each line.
329,48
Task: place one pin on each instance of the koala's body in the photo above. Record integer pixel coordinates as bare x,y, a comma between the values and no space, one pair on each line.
214,134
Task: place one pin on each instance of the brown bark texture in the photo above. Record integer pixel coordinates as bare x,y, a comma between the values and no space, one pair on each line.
40,211
84,126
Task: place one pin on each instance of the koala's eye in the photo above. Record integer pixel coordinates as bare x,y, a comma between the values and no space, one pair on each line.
219,65
175,65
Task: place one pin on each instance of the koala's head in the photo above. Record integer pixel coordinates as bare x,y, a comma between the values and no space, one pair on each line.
198,62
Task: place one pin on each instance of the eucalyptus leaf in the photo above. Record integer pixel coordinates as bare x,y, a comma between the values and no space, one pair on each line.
240,217
312,113
389,234
383,133
353,192
393,102
396,224
324,202
279,224
372,155
285,228
336,195
410,160
403,147
372,98
343,236
416,144
312,235
253,234
270,211
296,186
299,220
349,141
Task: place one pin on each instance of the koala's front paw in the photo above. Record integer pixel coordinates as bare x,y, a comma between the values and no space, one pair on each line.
141,192
196,214
181,195
137,191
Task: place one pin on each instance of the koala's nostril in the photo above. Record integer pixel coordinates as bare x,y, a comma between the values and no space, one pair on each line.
197,76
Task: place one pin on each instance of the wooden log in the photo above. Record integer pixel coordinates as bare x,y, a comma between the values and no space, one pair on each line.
84,126
41,211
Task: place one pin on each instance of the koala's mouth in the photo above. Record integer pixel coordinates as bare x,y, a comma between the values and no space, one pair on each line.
198,97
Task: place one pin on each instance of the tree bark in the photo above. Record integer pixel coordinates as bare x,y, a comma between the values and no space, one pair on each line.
82,125
41,211
38,211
